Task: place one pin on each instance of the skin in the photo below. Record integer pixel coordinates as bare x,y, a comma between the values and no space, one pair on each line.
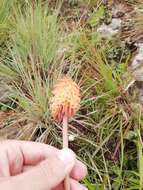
38,166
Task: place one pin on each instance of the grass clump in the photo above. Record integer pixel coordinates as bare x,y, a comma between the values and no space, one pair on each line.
33,58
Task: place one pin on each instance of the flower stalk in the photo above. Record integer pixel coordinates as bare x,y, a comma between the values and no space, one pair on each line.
65,145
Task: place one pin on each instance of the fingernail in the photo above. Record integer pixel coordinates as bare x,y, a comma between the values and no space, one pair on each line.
68,157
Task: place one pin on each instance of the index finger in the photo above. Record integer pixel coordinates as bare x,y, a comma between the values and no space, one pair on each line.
32,152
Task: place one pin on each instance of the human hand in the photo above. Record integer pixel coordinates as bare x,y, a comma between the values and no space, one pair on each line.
29,165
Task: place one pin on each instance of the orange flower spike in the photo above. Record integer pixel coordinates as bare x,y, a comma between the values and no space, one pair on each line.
65,100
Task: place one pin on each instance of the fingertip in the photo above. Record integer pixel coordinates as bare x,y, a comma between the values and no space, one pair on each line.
68,157
79,171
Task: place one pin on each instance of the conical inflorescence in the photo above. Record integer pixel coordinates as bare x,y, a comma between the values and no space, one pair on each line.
65,99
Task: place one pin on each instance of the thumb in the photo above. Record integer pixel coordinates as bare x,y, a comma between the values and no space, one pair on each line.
47,175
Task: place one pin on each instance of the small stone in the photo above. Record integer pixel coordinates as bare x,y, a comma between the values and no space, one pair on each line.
106,31
116,23
137,63
72,137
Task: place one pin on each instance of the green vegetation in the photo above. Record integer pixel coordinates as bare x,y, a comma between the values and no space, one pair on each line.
40,42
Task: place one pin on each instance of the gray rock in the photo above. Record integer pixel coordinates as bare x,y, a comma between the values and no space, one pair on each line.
108,31
137,63
116,23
